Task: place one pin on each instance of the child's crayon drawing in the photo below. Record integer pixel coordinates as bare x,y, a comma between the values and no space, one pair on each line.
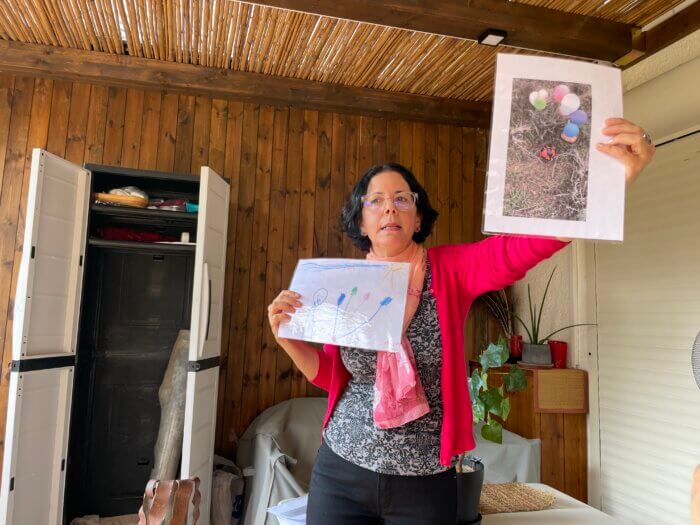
349,302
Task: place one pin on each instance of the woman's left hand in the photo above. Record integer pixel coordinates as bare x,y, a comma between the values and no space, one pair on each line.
628,145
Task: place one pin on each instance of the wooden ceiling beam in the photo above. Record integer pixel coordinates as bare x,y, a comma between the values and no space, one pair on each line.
530,27
680,25
119,70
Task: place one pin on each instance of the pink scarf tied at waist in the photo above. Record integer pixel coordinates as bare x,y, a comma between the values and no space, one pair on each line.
398,393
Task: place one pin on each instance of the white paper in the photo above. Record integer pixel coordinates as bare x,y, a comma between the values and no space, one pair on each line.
291,511
538,182
349,302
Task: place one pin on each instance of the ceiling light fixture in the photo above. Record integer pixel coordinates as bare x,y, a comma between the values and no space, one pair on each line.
492,37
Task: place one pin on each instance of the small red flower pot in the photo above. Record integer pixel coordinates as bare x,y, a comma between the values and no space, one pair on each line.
516,346
558,349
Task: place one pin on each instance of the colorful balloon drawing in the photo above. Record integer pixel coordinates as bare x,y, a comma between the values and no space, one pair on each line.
384,302
540,104
569,104
560,91
341,298
578,117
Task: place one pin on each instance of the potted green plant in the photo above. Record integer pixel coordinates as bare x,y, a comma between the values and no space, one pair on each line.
536,351
487,403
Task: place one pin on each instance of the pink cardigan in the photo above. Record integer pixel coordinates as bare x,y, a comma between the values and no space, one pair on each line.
460,273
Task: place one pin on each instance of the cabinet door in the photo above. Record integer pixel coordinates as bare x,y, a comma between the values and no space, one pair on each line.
44,333
205,334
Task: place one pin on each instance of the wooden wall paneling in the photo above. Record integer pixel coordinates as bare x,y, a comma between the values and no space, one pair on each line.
366,145
217,136
468,203
133,117
443,185
201,134
167,132
148,150
77,123
481,151
455,194
184,134
417,152
353,172
290,242
575,456
552,448
431,175
323,183
405,157
337,185
256,293
58,122
275,237
10,197
380,131
230,359
309,158
114,134
7,84
323,214
96,125
393,142
244,226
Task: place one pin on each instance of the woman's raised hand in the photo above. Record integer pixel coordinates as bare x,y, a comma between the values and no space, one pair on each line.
629,144
281,308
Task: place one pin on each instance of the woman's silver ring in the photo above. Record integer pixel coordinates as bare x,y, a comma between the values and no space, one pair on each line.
647,138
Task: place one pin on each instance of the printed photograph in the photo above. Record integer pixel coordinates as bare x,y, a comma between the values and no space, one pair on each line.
548,149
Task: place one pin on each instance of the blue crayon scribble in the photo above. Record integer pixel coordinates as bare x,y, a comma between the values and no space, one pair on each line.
382,304
339,266
341,298
318,298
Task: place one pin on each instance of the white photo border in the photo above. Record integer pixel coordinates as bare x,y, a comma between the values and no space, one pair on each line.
606,181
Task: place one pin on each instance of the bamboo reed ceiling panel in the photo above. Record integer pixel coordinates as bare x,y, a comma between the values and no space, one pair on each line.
636,12
245,37
290,171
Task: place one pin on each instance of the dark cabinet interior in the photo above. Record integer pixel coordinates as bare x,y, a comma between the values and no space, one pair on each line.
136,297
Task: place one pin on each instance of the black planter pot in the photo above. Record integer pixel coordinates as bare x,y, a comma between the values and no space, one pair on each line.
469,493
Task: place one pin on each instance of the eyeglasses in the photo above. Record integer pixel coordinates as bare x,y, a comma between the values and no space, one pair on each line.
403,201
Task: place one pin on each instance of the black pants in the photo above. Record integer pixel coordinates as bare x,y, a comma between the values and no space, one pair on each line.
341,493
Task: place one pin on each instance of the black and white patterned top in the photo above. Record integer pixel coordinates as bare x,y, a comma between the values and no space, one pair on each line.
414,448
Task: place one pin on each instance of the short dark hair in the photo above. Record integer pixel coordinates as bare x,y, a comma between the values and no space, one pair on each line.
352,211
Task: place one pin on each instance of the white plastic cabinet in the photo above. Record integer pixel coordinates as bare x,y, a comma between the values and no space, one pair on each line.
45,332
205,334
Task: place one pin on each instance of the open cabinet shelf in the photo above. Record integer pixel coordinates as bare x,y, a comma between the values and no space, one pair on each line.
147,214
142,246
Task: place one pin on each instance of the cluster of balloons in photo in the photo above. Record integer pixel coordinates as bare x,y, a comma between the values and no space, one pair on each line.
569,104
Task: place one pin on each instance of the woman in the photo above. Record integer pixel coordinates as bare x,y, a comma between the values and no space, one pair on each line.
396,421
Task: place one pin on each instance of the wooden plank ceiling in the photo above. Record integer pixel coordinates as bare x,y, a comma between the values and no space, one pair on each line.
248,37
